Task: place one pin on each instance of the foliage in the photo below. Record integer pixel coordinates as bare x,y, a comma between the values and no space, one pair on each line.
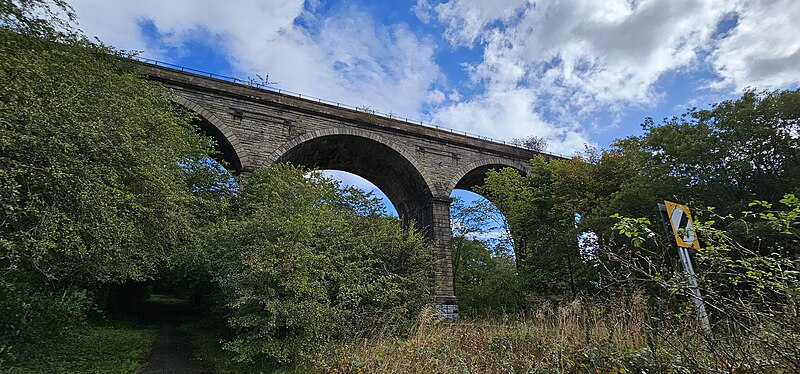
533,143
299,261
540,208
751,296
89,193
32,315
476,220
91,189
45,19
488,283
733,153
726,156
736,152
109,347
484,272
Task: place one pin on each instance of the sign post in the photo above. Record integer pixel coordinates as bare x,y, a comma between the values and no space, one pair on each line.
679,227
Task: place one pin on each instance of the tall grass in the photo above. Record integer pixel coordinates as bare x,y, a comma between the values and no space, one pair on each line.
629,334
576,337
626,335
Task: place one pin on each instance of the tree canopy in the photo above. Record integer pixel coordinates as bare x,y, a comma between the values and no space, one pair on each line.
726,156
92,187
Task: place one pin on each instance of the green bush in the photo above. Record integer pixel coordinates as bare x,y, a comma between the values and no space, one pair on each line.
299,261
750,293
32,316
91,189
488,283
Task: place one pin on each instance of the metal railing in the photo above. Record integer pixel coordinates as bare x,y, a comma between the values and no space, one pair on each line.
266,86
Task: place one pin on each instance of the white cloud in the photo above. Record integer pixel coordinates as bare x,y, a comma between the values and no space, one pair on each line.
603,52
436,97
572,59
763,50
466,19
568,60
609,51
344,56
454,95
509,114
117,22
389,68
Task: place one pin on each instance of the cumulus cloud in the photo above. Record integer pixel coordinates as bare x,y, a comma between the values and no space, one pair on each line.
571,58
763,50
568,60
343,56
466,19
605,52
510,114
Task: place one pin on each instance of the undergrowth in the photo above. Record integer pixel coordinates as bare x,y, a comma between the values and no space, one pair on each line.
112,347
618,336
579,337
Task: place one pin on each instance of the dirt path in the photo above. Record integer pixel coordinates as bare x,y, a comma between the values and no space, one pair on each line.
172,350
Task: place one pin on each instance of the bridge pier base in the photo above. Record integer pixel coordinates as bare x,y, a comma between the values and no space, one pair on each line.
445,299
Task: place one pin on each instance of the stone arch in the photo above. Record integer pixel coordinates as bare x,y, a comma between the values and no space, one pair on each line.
473,174
239,159
375,158
353,132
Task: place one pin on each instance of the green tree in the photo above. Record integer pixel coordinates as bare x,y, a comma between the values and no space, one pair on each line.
91,186
478,220
725,156
91,182
541,211
484,271
488,282
533,143
299,261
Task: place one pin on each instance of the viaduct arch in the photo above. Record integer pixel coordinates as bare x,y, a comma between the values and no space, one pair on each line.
367,155
228,146
417,167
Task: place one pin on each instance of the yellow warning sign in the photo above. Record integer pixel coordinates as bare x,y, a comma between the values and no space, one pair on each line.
682,226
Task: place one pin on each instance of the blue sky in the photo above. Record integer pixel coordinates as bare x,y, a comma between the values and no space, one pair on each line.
574,72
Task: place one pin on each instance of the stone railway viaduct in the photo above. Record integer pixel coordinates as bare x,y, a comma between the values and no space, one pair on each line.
416,166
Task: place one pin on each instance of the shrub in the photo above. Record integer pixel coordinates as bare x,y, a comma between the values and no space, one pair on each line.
300,261
33,315
91,189
750,293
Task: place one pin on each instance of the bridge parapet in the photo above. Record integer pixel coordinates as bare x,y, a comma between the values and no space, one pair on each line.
178,75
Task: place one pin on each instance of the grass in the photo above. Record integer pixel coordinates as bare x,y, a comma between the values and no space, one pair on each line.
574,338
166,299
112,347
580,337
